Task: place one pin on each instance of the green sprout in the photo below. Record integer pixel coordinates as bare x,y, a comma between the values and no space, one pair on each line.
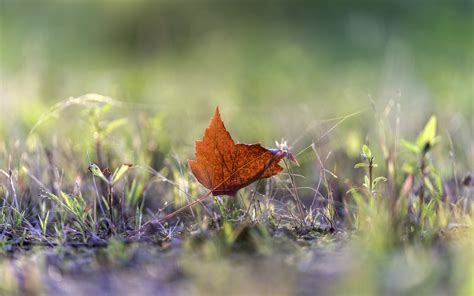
370,183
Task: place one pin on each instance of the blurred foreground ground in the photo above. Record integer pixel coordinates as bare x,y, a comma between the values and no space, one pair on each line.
329,265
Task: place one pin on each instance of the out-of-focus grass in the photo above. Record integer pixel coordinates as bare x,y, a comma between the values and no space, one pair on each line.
298,62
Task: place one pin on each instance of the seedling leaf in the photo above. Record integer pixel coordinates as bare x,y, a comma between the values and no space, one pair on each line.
377,180
367,152
96,171
428,135
410,146
120,172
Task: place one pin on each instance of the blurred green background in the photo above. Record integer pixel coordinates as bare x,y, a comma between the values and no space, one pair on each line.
276,68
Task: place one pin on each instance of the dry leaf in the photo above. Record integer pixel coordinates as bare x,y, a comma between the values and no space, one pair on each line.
225,167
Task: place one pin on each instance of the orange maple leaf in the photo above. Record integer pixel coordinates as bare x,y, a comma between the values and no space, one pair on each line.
225,167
